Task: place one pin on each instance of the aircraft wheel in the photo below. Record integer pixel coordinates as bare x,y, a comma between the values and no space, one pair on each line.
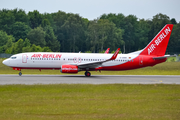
87,74
20,73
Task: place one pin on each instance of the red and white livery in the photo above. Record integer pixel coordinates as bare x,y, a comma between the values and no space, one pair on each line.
151,55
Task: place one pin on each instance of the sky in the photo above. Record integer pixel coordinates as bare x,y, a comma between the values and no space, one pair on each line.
93,9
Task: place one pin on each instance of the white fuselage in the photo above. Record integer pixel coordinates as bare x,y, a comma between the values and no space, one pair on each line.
46,60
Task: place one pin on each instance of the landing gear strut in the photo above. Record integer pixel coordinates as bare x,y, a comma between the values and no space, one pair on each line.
20,73
87,74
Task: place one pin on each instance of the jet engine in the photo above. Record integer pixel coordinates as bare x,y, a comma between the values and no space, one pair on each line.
69,69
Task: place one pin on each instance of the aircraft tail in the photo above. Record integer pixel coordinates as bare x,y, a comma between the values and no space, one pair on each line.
159,43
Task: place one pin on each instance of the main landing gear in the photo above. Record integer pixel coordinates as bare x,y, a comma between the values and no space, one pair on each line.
87,74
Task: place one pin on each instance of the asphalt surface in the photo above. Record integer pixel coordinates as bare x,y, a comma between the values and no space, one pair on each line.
81,79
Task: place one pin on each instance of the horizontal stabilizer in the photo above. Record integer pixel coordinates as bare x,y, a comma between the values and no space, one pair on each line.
162,57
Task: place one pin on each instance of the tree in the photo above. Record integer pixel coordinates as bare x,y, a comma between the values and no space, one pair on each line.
35,48
26,46
130,30
6,42
51,40
3,38
107,30
118,39
19,46
59,19
142,34
37,36
7,19
174,42
20,30
26,49
45,23
35,19
20,16
158,22
74,28
118,20
173,21
128,27
8,47
46,49
26,43
48,18
93,35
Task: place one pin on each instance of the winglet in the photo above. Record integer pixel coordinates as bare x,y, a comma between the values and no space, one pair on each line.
107,51
115,54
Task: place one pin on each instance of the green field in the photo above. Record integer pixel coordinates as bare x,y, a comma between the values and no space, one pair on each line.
166,68
104,102
79,102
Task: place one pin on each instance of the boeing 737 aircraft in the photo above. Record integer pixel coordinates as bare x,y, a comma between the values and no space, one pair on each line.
151,55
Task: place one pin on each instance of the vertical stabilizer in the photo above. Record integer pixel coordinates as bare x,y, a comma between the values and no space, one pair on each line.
159,43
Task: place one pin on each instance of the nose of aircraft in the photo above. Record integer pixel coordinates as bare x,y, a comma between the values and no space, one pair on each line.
6,62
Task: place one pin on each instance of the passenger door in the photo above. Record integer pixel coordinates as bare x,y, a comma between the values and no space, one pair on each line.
24,58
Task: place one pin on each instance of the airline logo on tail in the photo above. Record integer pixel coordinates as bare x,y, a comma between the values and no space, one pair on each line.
159,43
158,40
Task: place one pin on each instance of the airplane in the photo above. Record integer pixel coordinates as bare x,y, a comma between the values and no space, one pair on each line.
152,54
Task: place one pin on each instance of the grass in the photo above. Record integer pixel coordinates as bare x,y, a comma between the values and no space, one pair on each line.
166,68
171,59
79,102
103,102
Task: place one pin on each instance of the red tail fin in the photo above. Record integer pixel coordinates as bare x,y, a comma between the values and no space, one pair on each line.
159,44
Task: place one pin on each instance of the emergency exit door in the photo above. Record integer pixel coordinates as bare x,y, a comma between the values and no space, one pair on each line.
141,61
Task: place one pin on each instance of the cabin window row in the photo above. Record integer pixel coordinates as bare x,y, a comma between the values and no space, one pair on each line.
120,60
70,59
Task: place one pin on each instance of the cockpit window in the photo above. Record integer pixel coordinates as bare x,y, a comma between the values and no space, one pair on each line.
13,57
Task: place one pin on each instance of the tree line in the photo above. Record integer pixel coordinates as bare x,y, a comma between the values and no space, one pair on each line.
67,32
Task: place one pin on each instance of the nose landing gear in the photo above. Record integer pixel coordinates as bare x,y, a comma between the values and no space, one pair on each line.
87,74
20,73
14,68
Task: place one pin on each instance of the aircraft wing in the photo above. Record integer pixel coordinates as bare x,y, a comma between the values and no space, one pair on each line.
98,63
162,57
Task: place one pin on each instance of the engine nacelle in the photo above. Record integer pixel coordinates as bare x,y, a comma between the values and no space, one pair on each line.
69,69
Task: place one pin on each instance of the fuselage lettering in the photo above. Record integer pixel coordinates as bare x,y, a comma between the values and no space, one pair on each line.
46,56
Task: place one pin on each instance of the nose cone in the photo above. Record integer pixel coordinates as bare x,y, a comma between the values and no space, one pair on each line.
6,62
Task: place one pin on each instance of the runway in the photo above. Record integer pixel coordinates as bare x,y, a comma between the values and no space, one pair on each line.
81,79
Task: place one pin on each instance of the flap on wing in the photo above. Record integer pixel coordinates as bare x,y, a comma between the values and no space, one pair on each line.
162,57
90,64
98,63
